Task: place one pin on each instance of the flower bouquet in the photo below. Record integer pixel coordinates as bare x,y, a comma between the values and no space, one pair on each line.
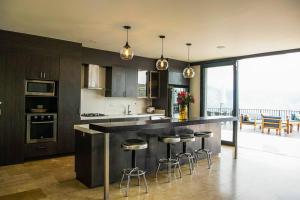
183,100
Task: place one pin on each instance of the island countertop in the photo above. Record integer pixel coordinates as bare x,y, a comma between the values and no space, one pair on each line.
163,123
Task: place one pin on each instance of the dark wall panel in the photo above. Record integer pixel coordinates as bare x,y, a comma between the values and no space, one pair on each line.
107,58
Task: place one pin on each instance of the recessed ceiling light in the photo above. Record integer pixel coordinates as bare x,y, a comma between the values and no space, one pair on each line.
89,41
221,47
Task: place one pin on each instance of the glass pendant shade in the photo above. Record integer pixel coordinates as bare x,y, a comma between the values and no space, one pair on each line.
162,63
188,72
126,52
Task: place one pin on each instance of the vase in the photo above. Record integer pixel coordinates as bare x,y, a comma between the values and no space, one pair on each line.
183,112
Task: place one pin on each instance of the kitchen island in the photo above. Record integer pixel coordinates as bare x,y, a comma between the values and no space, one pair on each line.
99,158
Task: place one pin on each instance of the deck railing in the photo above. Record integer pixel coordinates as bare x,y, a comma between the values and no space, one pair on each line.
270,112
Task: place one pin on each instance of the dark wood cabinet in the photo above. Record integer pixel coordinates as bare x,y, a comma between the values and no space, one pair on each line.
69,102
121,82
154,85
131,82
115,82
12,114
43,67
40,149
176,78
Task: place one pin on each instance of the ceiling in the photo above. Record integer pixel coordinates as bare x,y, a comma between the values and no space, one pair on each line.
244,27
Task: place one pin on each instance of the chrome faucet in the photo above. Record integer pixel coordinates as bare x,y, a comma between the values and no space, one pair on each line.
128,110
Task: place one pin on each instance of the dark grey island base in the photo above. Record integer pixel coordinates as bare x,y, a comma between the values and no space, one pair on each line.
103,140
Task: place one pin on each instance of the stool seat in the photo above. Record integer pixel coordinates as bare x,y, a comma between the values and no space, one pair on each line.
169,139
187,138
134,144
204,134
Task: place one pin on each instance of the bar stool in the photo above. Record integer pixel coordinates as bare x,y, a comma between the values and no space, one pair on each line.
184,138
207,152
169,161
133,145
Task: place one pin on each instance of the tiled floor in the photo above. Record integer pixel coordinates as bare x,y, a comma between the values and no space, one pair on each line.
255,175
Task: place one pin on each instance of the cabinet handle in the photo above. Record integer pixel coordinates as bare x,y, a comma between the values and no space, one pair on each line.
41,75
0,108
41,147
44,75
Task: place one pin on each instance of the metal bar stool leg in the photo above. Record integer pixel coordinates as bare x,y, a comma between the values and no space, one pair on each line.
157,170
145,181
127,188
122,180
139,180
190,165
179,169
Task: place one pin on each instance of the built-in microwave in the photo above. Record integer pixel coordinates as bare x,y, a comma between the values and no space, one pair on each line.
40,88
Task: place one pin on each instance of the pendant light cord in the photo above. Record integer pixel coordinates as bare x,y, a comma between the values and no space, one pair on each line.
189,54
162,46
127,34
188,45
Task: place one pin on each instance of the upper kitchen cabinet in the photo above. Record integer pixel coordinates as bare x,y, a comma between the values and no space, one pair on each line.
154,85
176,78
131,82
121,82
43,67
142,91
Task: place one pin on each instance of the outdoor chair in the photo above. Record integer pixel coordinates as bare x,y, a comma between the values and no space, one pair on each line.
294,120
246,119
274,122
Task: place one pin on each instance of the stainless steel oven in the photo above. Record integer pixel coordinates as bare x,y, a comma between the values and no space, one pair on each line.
40,88
41,127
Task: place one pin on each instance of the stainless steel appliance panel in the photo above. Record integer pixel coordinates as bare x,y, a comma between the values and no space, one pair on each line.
40,88
41,127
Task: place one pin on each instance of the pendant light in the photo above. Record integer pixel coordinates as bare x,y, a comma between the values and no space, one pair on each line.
188,72
126,52
162,63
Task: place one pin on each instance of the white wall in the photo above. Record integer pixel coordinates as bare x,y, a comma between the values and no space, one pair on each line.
195,90
93,101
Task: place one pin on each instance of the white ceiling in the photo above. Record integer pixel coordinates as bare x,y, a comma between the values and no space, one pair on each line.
243,26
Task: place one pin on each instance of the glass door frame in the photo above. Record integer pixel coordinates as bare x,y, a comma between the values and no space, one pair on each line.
203,94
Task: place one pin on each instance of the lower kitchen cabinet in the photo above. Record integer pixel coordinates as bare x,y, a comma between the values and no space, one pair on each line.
40,149
66,137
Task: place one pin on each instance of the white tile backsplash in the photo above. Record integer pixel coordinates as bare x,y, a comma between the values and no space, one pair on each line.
94,101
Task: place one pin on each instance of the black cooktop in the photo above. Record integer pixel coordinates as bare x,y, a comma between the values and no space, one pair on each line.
92,115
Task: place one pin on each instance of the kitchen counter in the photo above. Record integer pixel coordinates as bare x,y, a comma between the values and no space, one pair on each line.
122,116
156,124
99,157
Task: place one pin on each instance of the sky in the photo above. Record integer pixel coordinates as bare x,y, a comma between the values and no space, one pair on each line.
270,82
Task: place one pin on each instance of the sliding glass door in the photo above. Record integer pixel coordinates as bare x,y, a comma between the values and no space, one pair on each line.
219,95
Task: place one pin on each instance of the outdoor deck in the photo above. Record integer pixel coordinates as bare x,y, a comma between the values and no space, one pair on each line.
286,144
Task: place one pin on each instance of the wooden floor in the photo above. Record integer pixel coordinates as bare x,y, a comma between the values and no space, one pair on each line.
255,175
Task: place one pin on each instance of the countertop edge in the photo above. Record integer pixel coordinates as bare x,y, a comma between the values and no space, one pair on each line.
165,123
